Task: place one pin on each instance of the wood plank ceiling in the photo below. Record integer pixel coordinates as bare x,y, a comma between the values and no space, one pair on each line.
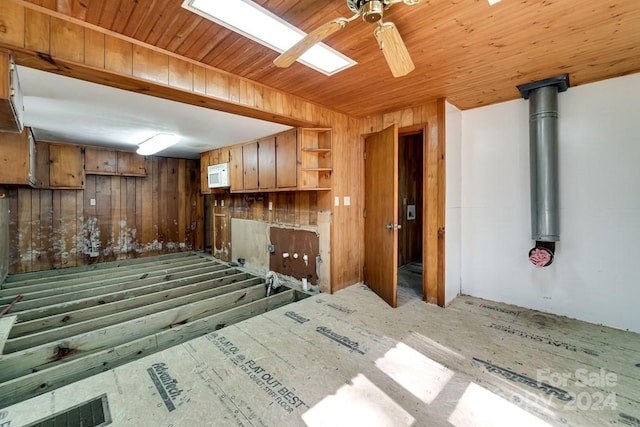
465,50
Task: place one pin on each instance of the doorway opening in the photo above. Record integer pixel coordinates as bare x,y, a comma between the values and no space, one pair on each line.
410,216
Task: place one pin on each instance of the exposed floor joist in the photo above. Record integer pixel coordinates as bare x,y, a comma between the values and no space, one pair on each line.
78,322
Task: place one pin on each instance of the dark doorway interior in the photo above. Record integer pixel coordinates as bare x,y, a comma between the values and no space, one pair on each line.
410,196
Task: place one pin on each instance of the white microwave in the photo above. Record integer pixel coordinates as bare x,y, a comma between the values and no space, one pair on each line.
218,175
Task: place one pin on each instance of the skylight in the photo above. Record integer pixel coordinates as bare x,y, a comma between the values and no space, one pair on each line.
251,20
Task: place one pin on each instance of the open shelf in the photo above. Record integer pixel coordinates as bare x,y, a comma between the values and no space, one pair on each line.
315,164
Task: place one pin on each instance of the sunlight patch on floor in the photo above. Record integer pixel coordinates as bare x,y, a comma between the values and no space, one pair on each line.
418,374
478,407
360,403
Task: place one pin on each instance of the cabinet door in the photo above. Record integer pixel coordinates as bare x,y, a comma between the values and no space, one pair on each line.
286,159
66,166
204,179
250,165
14,158
267,163
97,161
42,165
131,164
224,155
235,166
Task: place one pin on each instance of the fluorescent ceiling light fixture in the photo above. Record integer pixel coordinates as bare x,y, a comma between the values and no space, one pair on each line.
492,2
255,22
157,143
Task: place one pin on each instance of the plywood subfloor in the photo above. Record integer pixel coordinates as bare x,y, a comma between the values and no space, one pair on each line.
348,359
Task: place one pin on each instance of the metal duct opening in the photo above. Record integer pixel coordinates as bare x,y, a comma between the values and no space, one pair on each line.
543,161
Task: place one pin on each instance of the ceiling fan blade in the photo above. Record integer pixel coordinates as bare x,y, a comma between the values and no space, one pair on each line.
315,36
407,2
394,49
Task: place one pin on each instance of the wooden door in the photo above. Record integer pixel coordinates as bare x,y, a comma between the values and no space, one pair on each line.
267,163
381,213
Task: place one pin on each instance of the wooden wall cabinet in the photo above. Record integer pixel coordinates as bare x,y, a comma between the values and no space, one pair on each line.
98,161
250,166
315,165
131,164
66,166
287,160
259,164
267,163
208,158
236,172
18,158
297,159
11,111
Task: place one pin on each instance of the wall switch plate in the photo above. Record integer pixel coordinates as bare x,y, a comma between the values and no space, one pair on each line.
336,201
222,202
347,201
270,206
92,202
411,212
215,202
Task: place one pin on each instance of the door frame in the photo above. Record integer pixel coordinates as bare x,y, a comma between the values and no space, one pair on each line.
433,207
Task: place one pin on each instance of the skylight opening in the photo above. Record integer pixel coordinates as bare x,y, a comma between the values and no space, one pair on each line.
252,21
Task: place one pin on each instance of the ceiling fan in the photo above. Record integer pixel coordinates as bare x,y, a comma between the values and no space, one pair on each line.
386,33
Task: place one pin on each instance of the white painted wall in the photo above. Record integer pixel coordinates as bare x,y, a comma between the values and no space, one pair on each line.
596,272
453,216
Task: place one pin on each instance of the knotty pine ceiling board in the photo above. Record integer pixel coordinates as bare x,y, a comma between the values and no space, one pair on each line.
465,50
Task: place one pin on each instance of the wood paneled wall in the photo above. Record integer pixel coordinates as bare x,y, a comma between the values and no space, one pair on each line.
410,189
4,234
430,117
132,217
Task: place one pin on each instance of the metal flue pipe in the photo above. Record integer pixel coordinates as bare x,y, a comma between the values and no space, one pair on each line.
543,161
